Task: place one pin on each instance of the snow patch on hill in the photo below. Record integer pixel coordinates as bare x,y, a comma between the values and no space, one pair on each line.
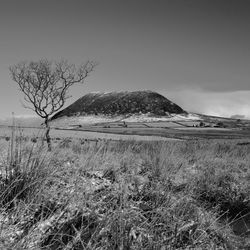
172,117
96,119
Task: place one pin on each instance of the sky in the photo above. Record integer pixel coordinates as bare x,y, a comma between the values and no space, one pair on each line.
194,52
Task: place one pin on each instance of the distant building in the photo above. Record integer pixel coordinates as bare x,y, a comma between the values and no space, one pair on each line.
202,124
219,125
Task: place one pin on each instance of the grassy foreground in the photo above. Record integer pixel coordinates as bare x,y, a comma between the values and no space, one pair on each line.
125,195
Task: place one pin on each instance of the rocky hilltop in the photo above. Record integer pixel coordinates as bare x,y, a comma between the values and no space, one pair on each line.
121,103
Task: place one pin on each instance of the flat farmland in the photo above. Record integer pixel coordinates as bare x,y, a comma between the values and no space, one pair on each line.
89,134
134,131
210,133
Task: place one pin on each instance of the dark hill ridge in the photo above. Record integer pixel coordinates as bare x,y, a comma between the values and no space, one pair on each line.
121,103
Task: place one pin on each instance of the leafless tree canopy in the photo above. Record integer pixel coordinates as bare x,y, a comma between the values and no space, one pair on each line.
45,84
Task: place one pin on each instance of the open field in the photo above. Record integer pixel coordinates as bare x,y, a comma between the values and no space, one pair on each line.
207,127
155,131
184,133
92,135
124,194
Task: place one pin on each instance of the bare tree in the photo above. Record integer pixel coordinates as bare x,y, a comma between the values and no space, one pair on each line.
45,85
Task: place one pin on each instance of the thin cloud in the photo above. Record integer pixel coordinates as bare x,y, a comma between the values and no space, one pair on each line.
224,104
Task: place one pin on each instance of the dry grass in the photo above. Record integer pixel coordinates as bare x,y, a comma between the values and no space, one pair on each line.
124,195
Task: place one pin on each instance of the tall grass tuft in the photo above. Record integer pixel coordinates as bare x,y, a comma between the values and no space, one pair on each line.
23,172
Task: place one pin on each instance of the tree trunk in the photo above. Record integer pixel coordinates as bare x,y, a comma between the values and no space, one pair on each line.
47,136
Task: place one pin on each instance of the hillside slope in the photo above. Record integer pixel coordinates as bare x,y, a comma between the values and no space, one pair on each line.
121,103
